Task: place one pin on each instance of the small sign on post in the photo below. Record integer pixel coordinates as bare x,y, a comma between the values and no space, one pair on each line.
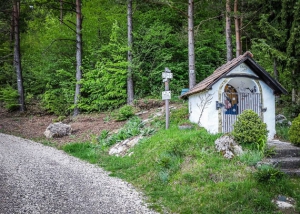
166,75
166,95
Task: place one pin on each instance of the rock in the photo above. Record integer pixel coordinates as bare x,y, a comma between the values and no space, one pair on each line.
141,112
149,120
228,147
58,130
120,149
185,126
280,118
285,204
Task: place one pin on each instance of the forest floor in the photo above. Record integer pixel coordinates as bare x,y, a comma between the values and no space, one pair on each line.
85,127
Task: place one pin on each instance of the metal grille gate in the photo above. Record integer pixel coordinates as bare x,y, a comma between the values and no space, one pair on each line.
235,104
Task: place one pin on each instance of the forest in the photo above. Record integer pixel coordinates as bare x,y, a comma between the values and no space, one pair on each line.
71,56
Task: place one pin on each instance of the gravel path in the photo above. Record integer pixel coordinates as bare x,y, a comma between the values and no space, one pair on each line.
40,179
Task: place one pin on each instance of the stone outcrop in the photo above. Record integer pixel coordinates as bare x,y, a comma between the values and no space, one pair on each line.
285,204
228,147
58,130
280,118
121,149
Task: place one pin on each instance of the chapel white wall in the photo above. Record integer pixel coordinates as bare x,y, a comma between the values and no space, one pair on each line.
269,103
210,120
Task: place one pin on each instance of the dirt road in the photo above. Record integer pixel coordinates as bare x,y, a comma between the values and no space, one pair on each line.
39,179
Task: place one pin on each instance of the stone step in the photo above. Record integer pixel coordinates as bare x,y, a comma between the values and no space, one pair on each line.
292,172
284,162
288,152
283,149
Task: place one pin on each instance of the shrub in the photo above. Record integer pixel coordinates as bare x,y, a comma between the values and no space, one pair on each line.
124,113
249,128
134,127
294,132
268,174
9,96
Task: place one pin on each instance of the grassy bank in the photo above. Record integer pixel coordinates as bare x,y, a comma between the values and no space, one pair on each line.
180,172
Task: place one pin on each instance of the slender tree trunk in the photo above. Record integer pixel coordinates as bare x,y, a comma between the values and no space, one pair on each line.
12,27
241,27
275,70
293,90
237,29
191,45
61,11
228,31
17,54
130,92
78,55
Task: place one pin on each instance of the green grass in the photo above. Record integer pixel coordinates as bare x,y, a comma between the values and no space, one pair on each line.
180,172
282,132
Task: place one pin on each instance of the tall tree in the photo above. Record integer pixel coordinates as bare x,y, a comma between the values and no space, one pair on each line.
17,54
237,29
61,11
228,31
78,55
130,91
191,45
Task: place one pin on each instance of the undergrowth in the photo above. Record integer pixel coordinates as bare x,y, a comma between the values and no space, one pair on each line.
180,172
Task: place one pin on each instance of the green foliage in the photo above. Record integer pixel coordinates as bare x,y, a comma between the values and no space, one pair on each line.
123,113
133,127
294,132
59,95
249,129
168,163
268,174
182,173
9,96
84,151
104,87
180,115
251,157
282,131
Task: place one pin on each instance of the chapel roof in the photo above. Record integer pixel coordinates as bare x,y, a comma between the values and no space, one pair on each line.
223,70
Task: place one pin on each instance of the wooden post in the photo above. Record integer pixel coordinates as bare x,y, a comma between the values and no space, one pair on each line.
191,45
167,105
166,95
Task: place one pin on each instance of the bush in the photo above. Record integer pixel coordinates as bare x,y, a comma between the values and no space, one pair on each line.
294,132
249,129
9,96
268,174
123,113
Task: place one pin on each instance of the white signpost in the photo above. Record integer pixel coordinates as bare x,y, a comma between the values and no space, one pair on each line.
166,95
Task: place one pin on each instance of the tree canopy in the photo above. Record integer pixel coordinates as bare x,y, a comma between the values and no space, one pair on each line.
269,29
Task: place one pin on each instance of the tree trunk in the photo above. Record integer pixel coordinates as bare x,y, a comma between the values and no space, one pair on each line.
293,89
130,92
12,28
78,55
275,70
192,71
237,29
61,11
17,54
228,31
